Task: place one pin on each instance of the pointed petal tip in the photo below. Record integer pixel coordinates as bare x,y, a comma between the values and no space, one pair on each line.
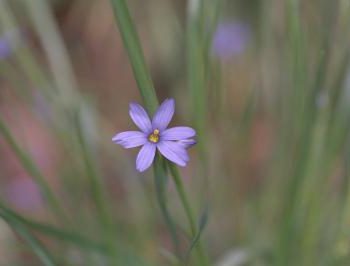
188,143
133,103
182,164
116,137
172,100
140,170
178,133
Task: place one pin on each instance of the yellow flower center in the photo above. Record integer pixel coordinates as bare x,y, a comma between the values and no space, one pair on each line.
154,137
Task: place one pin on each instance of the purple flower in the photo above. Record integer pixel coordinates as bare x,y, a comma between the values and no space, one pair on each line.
5,48
9,42
24,194
171,143
230,39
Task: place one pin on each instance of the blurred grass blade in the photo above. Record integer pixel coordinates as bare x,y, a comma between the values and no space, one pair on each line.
31,168
160,183
66,236
202,257
203,220
196,68
41,252
136,57
56,52
97,191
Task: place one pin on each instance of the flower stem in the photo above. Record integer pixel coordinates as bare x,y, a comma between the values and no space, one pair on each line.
133,48
202,257
160,184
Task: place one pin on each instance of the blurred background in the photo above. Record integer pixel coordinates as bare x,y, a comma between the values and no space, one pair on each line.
266,84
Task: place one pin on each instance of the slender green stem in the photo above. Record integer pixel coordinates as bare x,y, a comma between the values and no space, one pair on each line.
136,57
182,194
160,183
98,194
203,259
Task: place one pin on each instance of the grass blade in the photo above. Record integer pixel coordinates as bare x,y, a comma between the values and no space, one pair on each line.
133,48
160,183
51,231
31,168
203,260
203,220
33,242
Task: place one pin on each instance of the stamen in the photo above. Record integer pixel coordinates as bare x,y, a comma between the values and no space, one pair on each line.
154,137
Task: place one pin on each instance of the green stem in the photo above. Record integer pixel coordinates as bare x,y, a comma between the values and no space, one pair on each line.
182,194
98,193
136,57
203,259
160,183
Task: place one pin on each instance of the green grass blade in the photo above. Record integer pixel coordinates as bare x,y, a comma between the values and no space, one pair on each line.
35,245
203,220
160,183
51,231
196,68
97,192
31,168
62,72
136,57
202,258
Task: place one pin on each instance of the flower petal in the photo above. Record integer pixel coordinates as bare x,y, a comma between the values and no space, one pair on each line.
130,139
174,152
140,117
145,157
164,114
178,133
187,143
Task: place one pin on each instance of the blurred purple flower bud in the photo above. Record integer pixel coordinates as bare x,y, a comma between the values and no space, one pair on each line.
9,41
230,39
24,194
5,48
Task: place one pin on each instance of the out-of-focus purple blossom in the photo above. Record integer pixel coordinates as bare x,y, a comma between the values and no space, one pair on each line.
5,48
9,41
42,107
322,100
230,39
24,194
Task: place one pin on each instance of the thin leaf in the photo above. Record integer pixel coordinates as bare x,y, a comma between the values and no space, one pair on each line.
203,220
97,191
51,231
136,57
160,178
202,257
31,168
40,251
